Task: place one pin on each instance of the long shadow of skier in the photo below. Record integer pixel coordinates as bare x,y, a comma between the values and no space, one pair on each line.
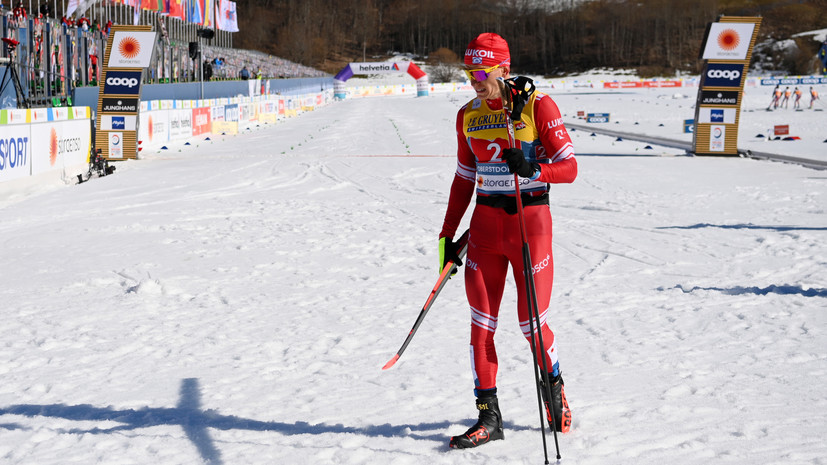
195,422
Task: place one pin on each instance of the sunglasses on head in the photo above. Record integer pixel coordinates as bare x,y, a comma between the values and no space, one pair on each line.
480,74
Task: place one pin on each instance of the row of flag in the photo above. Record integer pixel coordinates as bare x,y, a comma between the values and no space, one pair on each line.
218,14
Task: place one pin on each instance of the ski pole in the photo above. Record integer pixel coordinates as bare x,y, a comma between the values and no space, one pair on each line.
449,268
531,290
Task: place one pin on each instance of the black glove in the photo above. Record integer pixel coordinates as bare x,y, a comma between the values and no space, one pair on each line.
517,164
448,252
520,89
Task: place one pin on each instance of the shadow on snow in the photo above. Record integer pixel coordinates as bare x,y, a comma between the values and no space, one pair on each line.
746,226
195,421
772,289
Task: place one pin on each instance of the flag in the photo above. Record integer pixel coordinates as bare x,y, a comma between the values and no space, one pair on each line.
196,12
226,18
73,5
176,9
136,13
209,13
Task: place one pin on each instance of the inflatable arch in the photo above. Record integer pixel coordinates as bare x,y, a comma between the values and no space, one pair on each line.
380,68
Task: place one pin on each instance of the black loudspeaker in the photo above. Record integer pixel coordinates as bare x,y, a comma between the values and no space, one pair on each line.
206,33
193,50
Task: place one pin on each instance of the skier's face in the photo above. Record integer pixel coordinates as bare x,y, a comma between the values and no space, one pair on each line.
488,88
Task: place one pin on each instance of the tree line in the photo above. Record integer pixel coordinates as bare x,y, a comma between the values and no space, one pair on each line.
546,37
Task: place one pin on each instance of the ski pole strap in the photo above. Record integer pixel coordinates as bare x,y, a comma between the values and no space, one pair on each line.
509,203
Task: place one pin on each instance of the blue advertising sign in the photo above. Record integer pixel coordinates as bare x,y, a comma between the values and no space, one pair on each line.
597,117
122,83
689,125
723,75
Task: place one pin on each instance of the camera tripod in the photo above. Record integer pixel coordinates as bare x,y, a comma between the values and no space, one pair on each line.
10,74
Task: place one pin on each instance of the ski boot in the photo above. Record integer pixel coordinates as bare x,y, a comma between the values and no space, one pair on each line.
562,412
489,427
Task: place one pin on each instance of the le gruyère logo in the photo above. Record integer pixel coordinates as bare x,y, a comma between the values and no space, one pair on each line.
129,47
53,147
728,39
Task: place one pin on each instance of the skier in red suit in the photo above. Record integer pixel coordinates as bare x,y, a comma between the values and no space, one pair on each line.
486,164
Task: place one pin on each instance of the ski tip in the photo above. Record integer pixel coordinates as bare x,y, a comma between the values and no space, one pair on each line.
391,362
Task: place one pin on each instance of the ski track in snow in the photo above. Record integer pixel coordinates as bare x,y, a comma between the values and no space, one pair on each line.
234,302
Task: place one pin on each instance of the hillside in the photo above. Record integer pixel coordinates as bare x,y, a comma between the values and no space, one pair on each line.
562,36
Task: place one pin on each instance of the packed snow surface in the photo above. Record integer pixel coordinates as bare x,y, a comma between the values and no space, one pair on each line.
233,301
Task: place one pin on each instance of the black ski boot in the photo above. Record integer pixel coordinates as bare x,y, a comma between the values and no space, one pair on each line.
562,412
489,427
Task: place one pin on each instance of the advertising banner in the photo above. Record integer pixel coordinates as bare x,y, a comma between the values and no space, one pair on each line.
15,152
180,124
228,124
726,50
717,138
131,49
115,145
201,121
154,127
728,41
60,145
122,83
717,115
128,52
723,75
119,122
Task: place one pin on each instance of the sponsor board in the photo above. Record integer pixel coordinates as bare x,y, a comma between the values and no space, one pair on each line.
118,122
597,118
180,124
131,49
153,127
728,41
717,138
781,130
115,145
225,127
60,145
231,112
379,68
15,152
122,83
723,75
200,121
119,105
688,125
715,97
717,115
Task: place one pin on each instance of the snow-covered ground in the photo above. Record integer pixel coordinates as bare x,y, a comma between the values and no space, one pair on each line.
233,302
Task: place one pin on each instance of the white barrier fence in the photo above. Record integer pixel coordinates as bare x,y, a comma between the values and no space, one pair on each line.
162,121
44,140
565,84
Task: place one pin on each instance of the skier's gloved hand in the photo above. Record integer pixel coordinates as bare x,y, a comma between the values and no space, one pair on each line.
517,164
448,252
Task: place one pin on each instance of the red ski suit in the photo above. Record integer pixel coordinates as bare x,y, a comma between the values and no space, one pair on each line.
495,239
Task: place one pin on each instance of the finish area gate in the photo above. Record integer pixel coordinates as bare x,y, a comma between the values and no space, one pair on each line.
340,92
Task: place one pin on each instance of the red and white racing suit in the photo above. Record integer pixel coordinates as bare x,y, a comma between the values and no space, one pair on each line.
495,239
